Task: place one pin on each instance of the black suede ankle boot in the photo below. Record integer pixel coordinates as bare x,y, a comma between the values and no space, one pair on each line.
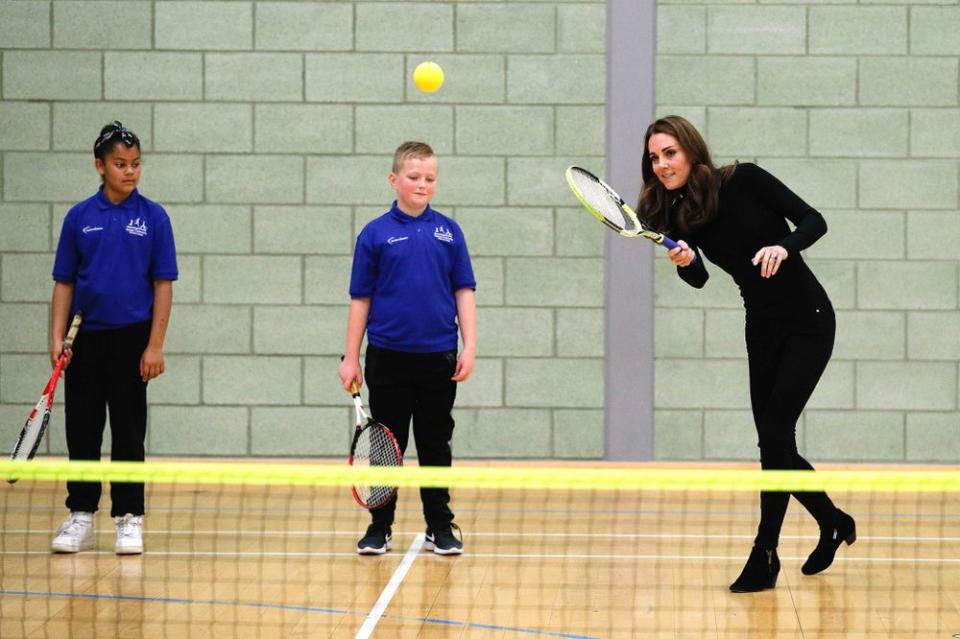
760,572
844,529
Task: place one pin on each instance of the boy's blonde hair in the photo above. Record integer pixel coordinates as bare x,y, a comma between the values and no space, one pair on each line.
410,150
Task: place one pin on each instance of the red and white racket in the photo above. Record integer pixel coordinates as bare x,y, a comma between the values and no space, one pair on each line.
32,433
373,445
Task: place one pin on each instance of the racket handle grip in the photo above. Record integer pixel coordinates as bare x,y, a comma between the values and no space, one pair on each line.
72,332
670,245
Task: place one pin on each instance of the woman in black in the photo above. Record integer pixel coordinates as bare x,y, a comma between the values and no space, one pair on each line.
737,216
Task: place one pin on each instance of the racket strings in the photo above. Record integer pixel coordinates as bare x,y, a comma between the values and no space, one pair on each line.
600,199
26,447
375,447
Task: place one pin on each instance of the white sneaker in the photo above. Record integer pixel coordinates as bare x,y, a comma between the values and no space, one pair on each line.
75,533
129,534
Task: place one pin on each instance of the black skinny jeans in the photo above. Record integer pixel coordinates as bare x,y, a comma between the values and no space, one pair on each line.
787,356
104,373
402,386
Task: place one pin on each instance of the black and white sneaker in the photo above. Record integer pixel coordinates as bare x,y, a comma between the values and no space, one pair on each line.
375,542
442,541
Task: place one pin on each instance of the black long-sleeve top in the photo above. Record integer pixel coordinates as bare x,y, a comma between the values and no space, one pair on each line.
753,210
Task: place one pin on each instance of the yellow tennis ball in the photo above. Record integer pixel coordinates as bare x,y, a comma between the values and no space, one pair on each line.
428,76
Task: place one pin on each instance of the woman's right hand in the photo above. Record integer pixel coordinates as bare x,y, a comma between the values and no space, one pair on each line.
682,255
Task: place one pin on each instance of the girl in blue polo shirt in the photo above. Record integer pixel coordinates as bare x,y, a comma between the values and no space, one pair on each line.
412,287
115,263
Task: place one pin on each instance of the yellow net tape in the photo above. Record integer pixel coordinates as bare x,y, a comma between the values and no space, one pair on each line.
530,477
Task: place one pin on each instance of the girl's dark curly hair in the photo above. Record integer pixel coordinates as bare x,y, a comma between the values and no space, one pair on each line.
695,203
110,136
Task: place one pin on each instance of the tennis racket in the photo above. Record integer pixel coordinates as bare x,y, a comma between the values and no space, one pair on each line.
29,440
373,445
608,207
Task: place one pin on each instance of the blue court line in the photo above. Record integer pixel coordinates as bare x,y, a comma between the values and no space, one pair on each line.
329,611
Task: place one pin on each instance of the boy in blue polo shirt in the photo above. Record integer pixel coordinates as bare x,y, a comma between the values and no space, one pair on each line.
412,284
115,263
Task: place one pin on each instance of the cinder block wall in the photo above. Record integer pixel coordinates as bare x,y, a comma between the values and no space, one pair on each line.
267,130
855,106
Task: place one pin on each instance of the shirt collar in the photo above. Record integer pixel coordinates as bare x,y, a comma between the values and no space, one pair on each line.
128,203
405,218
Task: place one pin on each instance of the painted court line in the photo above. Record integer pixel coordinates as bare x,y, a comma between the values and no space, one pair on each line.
481,555
281,606
876,516
906,539
373,618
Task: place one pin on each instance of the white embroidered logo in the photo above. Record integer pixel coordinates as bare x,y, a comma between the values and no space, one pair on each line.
394,240
91,229
443,234
137,227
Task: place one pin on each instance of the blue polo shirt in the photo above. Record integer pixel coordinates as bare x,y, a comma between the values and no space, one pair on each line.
113,253
411,267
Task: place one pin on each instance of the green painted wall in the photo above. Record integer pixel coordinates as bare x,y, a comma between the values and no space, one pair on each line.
856,107
267,130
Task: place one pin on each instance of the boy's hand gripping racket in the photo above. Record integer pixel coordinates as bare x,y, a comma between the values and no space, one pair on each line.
29,440
373,445
608,207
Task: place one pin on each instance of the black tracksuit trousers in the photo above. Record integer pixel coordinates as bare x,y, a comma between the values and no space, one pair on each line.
104,373
402,386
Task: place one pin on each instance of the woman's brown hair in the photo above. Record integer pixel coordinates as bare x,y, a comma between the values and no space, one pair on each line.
695,203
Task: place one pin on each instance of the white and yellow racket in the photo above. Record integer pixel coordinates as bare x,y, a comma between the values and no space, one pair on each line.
607,206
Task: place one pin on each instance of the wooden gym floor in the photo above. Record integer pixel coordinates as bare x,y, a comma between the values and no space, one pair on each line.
279,562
